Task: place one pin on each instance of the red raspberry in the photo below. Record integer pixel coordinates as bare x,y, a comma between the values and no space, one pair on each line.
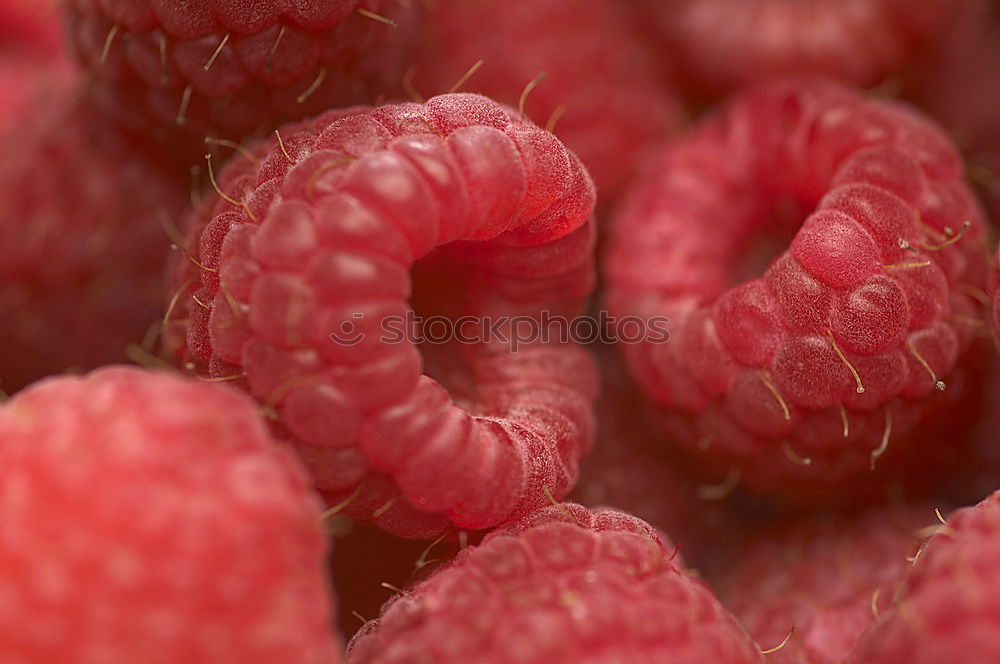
959,85
827,578
720,45
81,263
629,469
797,381
317,235
948,603
31,58
182,70
150,519
602,91
566,584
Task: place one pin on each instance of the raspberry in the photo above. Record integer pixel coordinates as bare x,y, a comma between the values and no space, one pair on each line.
182,70
31,59
827,578
601,90
957,84
81,264
720,45
566,584
798,381
150,519
626,468
316,237
947,604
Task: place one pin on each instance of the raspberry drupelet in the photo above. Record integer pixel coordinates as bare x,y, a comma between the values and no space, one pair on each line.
797,381
947,607
324,235
181,71
565,584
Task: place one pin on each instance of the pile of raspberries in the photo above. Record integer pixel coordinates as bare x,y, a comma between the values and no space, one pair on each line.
485,332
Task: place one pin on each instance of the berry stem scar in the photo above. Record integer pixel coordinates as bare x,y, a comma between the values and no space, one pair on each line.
843,358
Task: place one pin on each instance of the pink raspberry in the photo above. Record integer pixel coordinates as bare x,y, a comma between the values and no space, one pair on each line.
227,68
720,45
602,92
148,518
827,578
947,607
304,276
565,584
958,83
629,469
81,262
31,57
796,382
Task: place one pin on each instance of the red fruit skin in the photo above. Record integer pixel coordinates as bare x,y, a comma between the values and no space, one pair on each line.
720,45
31,56
752,380
958,83
81,264
820,576
495,213
149,518
948,602
629,468
602,86
566,584
281,61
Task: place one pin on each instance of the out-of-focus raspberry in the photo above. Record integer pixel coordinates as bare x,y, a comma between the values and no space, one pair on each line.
179,72
566,584
147,518
82,211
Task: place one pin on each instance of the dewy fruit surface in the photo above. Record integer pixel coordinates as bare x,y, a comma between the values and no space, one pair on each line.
324,235
565,584
181,71
798,374
149,518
